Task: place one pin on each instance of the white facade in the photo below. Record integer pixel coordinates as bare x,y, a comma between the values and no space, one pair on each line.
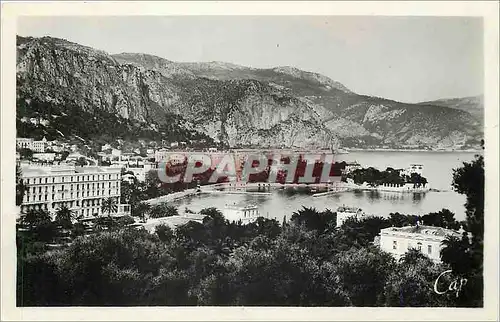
413,168
246,214
28,143
39,146
82,189
343,213
24,143
398,240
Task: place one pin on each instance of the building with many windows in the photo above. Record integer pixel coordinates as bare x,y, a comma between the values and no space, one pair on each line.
427,239
28,143
82,189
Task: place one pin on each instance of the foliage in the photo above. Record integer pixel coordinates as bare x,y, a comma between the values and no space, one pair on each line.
306,262
163,210
65,217
109,206
375,177
20,186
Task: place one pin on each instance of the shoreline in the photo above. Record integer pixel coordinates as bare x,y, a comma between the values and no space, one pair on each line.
409,150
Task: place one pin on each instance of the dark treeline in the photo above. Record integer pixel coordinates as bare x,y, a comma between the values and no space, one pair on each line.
304,261
375,177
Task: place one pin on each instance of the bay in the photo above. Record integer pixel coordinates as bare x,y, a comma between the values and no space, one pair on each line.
437,168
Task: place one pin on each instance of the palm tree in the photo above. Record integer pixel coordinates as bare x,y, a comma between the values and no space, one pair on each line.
109,206
34,218
65,216
141,209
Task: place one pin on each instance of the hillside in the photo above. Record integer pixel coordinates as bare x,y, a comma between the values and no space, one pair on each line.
472,104
232,104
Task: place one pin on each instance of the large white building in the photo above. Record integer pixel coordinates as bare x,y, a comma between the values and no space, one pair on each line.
245,213
82,189
427,239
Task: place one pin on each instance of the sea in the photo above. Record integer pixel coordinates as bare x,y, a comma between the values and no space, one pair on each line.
437,168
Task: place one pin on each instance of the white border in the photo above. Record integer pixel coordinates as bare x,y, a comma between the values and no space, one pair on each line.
9,12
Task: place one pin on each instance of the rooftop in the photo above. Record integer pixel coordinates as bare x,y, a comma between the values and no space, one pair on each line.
36,170
423,230
348,209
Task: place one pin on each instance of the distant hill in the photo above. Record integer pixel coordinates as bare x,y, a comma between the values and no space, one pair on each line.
472,104
231,104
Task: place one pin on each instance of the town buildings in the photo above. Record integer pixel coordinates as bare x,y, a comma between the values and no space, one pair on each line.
427,239
29,143
81,189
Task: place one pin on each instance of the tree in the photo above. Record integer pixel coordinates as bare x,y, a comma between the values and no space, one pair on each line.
26,153
81,161
34,218
363,273
411,282
65,217
469,180
163,210
20,186
109,206
125,221
456,252
164,232
141,210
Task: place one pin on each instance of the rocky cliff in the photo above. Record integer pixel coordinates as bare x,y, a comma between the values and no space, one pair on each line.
236,105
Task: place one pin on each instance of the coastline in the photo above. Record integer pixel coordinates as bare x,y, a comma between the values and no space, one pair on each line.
409,150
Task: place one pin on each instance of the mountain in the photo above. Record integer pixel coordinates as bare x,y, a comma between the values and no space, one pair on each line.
231,104
471,104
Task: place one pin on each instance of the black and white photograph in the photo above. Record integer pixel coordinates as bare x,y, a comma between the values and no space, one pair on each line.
250,161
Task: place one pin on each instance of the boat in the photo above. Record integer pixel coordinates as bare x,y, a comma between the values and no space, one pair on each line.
340,151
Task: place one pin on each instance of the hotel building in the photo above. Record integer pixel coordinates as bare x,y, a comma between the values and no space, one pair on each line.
81,189
427,239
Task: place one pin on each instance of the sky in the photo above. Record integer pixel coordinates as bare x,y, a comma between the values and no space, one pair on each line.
408,59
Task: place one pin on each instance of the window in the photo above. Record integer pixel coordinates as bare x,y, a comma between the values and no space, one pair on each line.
62,178
394,244
419,246
46,197
62,196
28,181
53,180
53,188
77,194
429,249
39,197
53,197
46,179
39,189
